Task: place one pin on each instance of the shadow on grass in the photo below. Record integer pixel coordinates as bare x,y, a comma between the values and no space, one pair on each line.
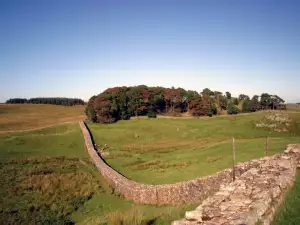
99,154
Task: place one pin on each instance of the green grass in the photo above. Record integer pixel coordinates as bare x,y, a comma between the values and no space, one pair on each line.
60,140
289,212
160,151
46,177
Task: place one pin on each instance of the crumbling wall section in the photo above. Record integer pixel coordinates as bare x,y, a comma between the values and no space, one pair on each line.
253,198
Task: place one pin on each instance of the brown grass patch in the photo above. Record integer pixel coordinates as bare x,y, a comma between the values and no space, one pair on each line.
26,117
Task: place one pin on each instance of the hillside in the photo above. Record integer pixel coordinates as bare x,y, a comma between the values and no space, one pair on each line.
18,117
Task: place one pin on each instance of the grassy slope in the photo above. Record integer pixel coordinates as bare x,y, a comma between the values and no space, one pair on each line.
14,117
166,151
168,138
33,171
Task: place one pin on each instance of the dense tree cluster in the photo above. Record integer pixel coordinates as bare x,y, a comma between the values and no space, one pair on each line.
52,101
120,103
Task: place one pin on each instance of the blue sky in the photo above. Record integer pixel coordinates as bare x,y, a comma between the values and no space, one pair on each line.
75,48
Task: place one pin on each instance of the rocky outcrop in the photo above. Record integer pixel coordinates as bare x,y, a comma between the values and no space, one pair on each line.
192,191
251,199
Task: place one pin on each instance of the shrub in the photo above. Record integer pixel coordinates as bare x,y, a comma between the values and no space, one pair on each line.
210,112
125,115
151,115
232,109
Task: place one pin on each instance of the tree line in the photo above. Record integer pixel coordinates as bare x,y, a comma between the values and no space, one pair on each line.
52,101
121,103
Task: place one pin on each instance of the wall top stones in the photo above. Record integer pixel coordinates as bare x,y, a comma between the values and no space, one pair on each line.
253,198
192,191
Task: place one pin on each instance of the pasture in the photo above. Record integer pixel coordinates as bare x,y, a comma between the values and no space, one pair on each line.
16,117
46,176
161,151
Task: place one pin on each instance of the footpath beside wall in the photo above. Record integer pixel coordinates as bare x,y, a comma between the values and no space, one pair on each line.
253,198
191,191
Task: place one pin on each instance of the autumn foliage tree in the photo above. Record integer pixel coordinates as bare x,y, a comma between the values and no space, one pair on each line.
121,103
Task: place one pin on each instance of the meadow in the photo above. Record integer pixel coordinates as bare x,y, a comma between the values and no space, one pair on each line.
161,151
46,176
16,117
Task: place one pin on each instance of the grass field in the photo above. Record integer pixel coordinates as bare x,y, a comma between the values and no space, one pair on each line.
157,151
46,176
15,117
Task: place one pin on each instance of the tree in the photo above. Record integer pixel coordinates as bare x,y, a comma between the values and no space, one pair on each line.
236,101
207,91
276,101
265,100
52,101
228,95
243,97
120,103
232,109
188,96
217,93
90,111
199,106
253,104
223,102
245,105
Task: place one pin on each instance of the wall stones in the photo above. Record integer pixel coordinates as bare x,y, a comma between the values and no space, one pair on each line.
253,198
192,191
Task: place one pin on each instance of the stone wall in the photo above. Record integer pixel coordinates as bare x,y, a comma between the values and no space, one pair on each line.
191,191
253,198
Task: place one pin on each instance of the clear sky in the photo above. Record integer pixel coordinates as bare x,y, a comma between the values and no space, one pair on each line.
73,48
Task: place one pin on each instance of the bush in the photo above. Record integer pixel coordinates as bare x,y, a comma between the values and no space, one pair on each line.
151,115
210,112
232,109
125,115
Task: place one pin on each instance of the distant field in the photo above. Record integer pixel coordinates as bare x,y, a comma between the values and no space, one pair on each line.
160,151
15,117
293,107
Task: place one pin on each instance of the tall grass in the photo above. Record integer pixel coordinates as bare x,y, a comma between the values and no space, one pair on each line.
289,211
131,217
37,190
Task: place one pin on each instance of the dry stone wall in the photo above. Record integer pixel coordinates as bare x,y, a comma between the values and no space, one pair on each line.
191,191
253,198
